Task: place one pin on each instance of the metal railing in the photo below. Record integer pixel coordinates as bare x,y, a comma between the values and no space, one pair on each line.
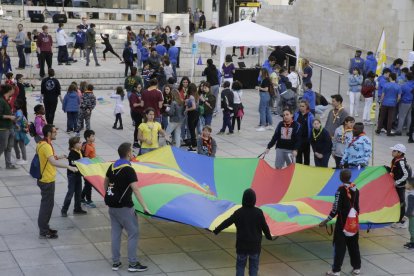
321,68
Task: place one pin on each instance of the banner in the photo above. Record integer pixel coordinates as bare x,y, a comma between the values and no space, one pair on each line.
380,55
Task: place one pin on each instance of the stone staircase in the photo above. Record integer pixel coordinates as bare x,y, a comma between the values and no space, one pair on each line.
111,73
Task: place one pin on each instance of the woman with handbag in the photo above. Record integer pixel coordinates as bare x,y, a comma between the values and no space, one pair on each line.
238,105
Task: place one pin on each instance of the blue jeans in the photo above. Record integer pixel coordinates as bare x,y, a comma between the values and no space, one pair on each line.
253,264
264,109
164,121
227,122
207,119
74,187
72,121
22,59
215,89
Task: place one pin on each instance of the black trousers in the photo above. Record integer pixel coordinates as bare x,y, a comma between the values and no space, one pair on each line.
111,50
385,118
50,109
22,59
303,156
87,191
118,118
340,244
128,65
401,196
45,57
337,161
192,120
137,118
411,130
63,55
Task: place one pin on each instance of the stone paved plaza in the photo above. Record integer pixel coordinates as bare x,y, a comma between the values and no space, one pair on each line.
83,246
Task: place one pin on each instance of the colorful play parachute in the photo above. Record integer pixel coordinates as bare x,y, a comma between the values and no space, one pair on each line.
203,191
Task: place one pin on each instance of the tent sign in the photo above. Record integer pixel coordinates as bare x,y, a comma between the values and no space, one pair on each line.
194,48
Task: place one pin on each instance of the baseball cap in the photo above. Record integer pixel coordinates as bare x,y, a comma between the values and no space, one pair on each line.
399,147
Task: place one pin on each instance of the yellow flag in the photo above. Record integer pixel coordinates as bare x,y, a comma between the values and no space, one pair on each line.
380,55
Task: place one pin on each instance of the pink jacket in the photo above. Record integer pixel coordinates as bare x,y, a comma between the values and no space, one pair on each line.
39,123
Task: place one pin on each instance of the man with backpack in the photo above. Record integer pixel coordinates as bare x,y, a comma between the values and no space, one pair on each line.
121,180
47,162
345,235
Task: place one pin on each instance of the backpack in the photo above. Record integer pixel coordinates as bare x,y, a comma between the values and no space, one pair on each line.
35,170
111,198
351,226
32,129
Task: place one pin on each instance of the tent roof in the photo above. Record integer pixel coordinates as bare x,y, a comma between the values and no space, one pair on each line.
245,33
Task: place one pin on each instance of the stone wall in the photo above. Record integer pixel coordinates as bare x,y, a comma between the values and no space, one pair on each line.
331,30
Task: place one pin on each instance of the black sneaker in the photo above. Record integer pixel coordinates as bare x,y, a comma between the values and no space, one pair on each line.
79,212
48,236
53,231
136,145
64,214
410,141
137,267
191,149
409,245
116,266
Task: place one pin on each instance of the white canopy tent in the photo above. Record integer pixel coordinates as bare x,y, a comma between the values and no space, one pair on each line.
245,33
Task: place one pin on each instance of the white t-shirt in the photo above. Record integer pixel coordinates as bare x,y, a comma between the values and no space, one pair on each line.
294,79
177,38
237,96
61,37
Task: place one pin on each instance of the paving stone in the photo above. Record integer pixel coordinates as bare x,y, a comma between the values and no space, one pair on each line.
157,246
194,243
11,272
8,202
100,267
213,258
391,263
36,257
26,241
77,253
282,269
46,270
69,237
190,273
314,267
290,252
174,262
7,261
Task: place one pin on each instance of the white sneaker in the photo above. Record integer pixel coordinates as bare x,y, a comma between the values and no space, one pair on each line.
331,273
16,160
21,162
356,115
261,129
269,128
399,225
356,272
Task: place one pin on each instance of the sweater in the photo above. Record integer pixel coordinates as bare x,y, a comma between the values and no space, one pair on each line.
335,119
250,224
321,143
210,72
354,83
176,113
44,42
286,136
341,140
50,89
206,147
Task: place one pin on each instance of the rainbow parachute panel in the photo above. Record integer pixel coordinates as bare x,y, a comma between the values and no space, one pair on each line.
203,191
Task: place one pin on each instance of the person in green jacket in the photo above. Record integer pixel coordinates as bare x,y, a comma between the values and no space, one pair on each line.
90,44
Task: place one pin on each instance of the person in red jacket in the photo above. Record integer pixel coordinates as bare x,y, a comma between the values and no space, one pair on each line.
44,49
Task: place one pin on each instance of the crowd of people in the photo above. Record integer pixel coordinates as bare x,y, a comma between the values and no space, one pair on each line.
183,111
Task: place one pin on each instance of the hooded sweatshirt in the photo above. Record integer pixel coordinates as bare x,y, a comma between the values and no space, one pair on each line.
370,65
250,224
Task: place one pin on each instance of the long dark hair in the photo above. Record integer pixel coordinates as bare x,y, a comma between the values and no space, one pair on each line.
181,82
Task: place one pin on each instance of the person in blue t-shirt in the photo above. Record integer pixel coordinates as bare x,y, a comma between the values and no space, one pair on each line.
356,62
382,80
370,64
404,108
310,97
160,48
395,67
173,54
391,94
306,73
80,39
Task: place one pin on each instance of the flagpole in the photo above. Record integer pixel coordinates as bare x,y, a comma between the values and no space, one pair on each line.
374,108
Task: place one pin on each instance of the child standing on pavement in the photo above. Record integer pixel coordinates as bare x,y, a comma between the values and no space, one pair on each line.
88,103
398,170
89,151
250,224
74,179
39,122
20,138
119,107
346,197
410,212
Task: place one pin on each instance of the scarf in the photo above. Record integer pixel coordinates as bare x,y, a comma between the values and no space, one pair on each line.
394,163
344,131
287,126
336,114
207,144
316,135
355,139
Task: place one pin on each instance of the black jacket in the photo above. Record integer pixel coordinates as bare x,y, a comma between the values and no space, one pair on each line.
211,74
250,224
342,205
50,89
322,143
399,171
227,100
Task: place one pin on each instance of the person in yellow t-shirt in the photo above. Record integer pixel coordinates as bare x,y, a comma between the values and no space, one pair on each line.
148,132
48,164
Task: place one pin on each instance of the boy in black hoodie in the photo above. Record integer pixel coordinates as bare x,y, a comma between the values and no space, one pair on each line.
227,103
399,172
346,197
250,224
